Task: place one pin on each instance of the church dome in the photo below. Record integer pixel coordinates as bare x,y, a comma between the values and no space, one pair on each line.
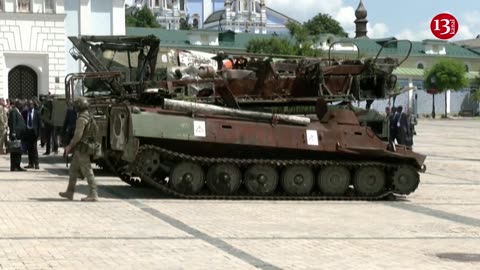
361,12
216,16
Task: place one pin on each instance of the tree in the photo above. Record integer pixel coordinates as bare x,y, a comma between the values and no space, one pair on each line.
446,74
298,31
143,18
322,24
274,45
278,45
304,37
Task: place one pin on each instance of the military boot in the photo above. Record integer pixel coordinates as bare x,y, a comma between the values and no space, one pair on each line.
67,194
70,190
92,197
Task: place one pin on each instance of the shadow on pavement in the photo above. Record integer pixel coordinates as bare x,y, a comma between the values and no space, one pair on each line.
129,192
64,171
49,199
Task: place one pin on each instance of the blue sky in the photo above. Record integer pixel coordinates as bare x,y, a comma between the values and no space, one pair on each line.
403,19
408,19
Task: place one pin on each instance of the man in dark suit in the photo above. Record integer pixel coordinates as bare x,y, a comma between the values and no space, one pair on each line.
393,124
402,126
16,125
33,121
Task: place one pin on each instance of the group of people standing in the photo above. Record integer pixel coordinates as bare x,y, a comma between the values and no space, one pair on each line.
22,121
402,126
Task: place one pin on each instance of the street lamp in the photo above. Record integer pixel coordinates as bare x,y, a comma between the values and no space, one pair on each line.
433,80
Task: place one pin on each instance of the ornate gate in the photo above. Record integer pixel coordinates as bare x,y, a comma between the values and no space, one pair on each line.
22,83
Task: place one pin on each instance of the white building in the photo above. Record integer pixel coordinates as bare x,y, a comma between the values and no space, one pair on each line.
34,47
169,13
251,16
240,16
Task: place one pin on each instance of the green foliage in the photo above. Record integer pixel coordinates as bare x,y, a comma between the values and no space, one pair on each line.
298,31
277,45
449,74
324,23
273,45
304,36
143,18
475,96
446,74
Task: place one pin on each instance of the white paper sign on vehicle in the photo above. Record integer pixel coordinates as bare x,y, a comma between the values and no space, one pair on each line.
312,137
199,128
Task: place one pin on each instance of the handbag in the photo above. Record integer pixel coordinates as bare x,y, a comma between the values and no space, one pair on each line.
14,146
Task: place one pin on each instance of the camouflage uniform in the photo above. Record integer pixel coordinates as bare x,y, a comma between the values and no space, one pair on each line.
3,128
81,165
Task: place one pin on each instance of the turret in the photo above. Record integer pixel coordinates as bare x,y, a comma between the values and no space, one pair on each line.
361,21
228,10
263,17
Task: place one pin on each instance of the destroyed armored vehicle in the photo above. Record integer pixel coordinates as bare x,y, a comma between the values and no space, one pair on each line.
195,149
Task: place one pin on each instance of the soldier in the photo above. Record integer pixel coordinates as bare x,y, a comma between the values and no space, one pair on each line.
81,165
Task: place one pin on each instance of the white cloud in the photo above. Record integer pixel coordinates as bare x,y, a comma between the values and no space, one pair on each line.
306,9
471,20
416,35
346,17
344,14
464,33
378,30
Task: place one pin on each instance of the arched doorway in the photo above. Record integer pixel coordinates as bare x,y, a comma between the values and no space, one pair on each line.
22,83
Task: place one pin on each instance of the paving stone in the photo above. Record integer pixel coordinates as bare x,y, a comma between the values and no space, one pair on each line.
143,230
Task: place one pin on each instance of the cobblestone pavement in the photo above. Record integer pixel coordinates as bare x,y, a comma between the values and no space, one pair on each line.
437,227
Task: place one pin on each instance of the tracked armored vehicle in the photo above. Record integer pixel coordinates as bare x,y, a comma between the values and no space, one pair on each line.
195,149
183,146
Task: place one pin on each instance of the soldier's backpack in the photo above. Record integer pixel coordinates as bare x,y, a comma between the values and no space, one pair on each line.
94,148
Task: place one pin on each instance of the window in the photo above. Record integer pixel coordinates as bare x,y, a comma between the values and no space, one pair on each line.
402,83
23,6
1,5
155,3
420,66
49,6
418,84
467,68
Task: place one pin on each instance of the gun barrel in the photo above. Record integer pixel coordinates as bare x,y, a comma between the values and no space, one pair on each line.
193,107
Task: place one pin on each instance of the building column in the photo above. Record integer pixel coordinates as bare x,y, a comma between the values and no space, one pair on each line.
410,94
84,17
118,18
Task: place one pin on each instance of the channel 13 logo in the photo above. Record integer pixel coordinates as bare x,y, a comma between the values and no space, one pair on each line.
444,26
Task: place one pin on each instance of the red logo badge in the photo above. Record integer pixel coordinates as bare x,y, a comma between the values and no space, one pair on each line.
444,26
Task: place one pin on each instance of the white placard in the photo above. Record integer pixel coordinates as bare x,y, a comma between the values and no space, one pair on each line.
312,137
199,128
